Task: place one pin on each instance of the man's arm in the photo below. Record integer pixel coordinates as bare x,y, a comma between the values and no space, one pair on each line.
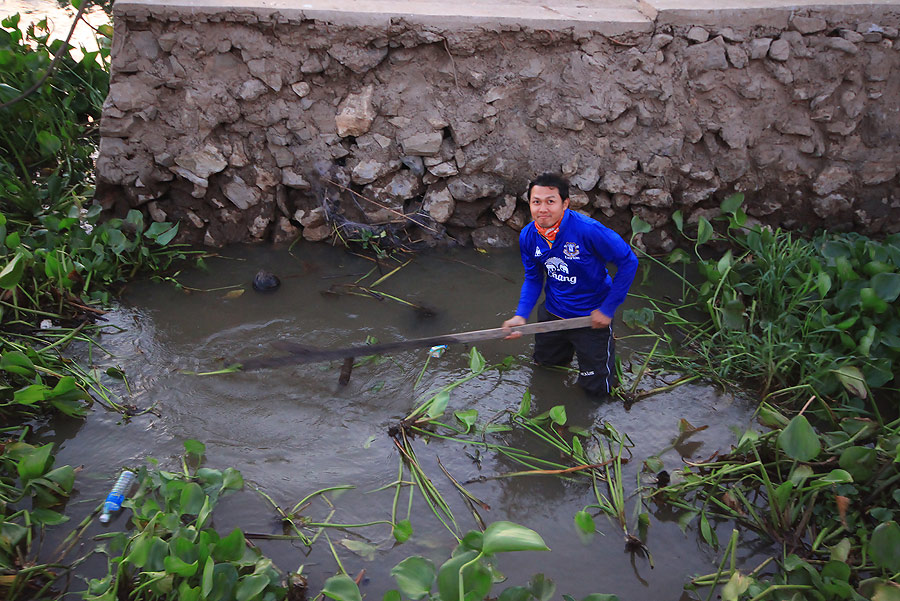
626,268
531,291
612,247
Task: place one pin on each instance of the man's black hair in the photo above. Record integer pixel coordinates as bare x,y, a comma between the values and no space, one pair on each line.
551,180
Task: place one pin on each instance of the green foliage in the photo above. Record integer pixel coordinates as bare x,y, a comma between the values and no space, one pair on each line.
468,574
172,551
31,490
785,484
56,258
48,138
794,316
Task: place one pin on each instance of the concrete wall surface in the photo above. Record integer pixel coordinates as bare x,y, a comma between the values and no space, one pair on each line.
269,119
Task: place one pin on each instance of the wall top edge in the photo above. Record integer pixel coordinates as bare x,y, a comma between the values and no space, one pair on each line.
610,17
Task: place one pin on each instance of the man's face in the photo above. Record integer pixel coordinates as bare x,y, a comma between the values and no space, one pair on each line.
546,206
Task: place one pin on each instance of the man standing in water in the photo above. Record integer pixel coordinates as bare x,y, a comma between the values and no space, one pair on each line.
574,251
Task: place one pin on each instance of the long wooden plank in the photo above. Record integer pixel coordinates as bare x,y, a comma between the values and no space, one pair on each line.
299,354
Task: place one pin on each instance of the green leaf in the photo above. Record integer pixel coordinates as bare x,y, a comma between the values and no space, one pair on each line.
731,204
886,286
162,233
799,441
736,586
841,551
12,273
230,548
886,591
838,570
31,394
678,218
853,380
558,415
884,547
35,464
392,595
860,462
835,477
250,586
194,447
585,522
639,226
870,301
654,464
365,550
467,417
501,537
207,580
187,592
706,530
204,513
414,576
476,578
476,361
800,474
175,565
139,550
50,143
17,363
438,404
542,588
232,479
47,517
515,593
341,588
782,494
192,497
525,405
704,231
402,531
600,597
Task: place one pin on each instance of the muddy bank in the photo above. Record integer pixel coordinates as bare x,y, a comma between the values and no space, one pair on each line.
253,123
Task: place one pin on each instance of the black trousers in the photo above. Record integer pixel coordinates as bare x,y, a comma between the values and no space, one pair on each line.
596,350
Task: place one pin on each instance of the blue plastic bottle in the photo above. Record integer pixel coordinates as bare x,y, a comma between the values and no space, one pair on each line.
115,497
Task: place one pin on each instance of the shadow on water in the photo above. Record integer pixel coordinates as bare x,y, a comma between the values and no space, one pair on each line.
294,430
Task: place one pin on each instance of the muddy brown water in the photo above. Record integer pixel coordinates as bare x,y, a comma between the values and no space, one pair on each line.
294,430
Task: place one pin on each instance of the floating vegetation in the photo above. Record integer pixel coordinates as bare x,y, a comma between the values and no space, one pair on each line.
793,317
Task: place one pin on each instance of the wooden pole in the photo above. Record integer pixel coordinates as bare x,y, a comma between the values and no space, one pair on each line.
299,354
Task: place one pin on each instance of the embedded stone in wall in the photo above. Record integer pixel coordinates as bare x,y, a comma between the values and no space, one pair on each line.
356,113
830,206
439,204
240,194
468,188
202,163
422,144
831,179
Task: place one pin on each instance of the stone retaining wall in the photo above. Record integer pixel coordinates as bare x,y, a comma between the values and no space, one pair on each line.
257,124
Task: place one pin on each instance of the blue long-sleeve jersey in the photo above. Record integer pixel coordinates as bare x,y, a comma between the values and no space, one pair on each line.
577,279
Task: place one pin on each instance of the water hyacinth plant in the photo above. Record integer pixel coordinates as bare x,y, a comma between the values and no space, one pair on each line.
31,491
792,316
172,550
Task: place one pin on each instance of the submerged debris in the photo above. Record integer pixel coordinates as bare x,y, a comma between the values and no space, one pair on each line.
265,281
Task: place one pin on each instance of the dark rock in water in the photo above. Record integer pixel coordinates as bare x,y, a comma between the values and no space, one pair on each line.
266,282
662,479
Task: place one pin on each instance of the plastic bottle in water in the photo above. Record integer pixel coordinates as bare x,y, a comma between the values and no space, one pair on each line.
115,497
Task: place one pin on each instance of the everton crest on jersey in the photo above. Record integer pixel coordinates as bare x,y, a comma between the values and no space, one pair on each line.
571,250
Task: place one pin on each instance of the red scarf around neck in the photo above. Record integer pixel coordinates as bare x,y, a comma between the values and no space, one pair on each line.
549,233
